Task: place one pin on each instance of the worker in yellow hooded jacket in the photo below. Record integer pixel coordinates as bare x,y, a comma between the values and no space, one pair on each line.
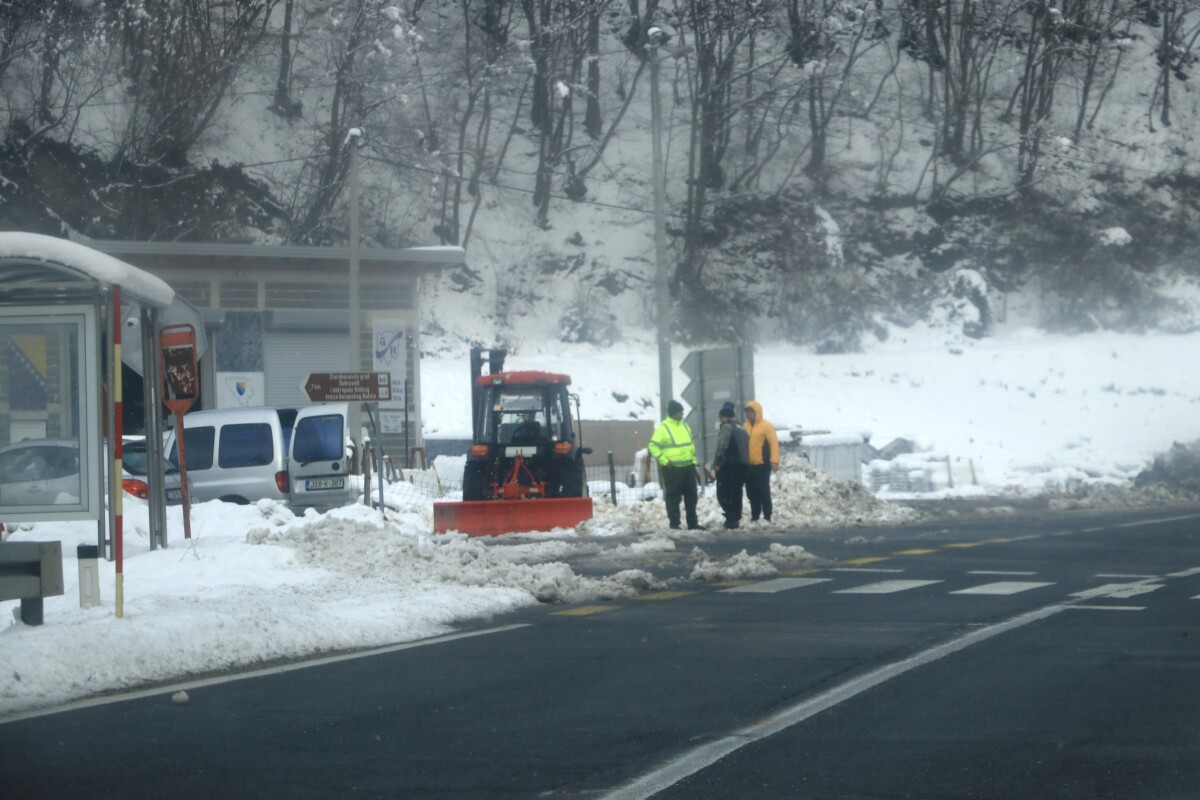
764,459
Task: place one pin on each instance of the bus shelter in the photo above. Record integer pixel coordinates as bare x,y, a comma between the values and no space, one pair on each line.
68,313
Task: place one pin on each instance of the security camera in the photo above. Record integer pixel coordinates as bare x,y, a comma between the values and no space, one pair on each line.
132,322
657,36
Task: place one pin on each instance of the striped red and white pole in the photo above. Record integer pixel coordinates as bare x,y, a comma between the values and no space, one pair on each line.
118,451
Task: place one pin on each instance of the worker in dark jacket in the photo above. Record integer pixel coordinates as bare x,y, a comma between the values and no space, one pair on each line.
730,463
671,445
764,459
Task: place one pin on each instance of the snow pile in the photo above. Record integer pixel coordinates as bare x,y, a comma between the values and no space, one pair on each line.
743,565
1178,470
359,545
805,498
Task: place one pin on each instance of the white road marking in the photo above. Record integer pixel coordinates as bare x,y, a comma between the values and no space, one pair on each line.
1187,573
776,585
863,569
886,587
690,763
1003,587
1107,608
1118,591
1126,577
170,689
1156,521
997,572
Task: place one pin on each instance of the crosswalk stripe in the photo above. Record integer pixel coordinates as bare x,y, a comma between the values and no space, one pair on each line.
998,572
1119,591
864,569
1003,587
886,587
776,585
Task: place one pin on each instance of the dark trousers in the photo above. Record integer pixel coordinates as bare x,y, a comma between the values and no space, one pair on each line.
758,490
679,483
731,478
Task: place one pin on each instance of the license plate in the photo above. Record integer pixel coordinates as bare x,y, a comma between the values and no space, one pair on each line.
317,484
174,494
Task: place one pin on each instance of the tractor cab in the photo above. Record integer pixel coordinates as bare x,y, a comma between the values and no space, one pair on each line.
516,412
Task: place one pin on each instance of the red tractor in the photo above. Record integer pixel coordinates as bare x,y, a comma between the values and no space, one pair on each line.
525,469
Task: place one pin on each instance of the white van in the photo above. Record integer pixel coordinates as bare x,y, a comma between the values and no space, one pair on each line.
320,458
239,455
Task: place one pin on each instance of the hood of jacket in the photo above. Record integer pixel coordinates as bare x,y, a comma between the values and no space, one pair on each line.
756,407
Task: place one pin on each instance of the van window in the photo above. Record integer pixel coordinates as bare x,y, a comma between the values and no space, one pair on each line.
246,445
318,439
199,445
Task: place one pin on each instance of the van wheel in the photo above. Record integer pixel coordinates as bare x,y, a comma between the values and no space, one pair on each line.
233,498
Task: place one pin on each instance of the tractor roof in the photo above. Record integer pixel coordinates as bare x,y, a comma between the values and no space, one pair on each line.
523,378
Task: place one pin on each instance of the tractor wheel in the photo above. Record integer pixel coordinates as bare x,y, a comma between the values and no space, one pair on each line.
572,479
475,481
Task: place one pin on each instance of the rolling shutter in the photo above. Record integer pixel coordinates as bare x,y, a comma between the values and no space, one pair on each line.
290,356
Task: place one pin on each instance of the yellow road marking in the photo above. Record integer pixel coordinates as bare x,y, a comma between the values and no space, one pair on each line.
866,560
807,571
733,583
917,552
964,545
583,611
662,595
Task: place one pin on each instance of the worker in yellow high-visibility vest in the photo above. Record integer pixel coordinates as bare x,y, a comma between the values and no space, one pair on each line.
671,445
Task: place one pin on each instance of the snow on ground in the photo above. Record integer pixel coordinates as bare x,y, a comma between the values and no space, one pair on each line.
1021,413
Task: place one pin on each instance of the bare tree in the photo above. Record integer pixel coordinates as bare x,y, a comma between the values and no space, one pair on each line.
719,30
1045,58
828,39
181,57
1175,51
351,105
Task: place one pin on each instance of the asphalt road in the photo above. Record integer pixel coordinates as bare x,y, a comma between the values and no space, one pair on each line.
1047,658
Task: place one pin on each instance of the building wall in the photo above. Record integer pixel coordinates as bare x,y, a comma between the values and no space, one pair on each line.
245,300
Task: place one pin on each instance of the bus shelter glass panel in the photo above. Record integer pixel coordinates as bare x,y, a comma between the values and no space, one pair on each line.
50,467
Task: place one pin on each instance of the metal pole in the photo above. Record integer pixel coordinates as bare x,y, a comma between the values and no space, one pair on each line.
662,289
354,139
117,454
153,424
612,477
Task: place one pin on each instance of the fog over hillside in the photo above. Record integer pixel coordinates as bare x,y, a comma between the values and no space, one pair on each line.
833,169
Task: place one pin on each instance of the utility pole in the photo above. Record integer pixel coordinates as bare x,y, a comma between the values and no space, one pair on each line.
658,37
661,287
354,139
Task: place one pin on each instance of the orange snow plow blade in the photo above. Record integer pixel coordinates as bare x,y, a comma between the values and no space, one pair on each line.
495,517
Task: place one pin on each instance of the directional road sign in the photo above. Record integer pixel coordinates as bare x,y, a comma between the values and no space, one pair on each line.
717,377
336,387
